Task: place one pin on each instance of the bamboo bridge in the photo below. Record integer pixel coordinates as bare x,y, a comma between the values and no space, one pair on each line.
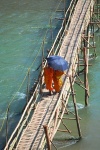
40,121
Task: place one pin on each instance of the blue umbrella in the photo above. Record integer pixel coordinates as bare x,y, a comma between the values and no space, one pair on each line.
57,62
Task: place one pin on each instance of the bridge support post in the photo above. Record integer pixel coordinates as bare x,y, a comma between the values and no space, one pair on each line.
42,68
78,63
7,126
92,22
85,59
85,76
47,136
76,112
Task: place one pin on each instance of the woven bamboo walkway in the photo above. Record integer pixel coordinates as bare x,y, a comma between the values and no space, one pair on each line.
33,135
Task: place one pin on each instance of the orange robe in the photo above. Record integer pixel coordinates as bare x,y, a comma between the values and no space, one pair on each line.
48,78
57,80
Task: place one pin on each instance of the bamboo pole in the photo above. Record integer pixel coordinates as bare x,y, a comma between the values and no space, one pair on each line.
79,78
92,46
64,14
64,124
7,126
51,35
98,10
28,83
76,112
56,117
64,107
81,86
53,145
47,136
42,68
78,64
70,118
95,22
60,130
87,52
94,43
85,77
64,7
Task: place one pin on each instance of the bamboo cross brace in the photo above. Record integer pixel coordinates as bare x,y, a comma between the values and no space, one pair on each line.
64,124
82,87
87,41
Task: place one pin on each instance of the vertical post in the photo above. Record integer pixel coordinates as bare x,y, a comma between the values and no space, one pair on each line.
27,92
56,116
94,43
97,9
87,52
85,77
78,62
7,126
64,14
64,8
51,35
91,19
47,136
85,58
92,30
28,83
81,45
76,112
42,68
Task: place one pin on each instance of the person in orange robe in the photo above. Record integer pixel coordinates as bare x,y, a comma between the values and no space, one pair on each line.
48,78
57,78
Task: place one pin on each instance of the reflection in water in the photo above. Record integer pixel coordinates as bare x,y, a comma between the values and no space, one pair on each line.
71,106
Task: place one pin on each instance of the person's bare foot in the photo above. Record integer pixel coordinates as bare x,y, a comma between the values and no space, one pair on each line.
50,93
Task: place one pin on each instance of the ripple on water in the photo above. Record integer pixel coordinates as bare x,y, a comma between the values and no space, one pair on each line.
71,106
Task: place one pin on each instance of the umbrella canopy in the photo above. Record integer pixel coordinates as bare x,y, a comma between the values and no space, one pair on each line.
57,62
